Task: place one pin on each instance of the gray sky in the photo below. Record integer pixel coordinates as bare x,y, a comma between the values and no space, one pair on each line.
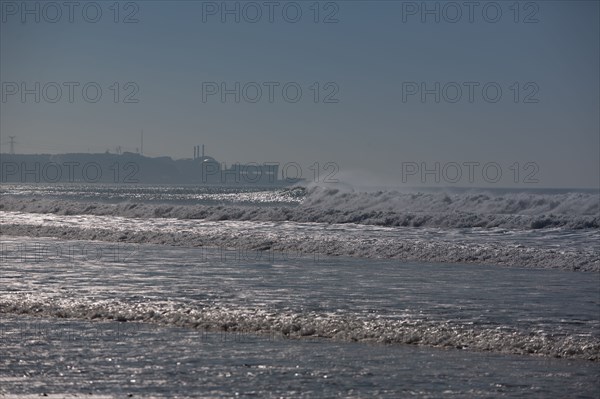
366,112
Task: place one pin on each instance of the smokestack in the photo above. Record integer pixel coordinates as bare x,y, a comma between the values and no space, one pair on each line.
202,151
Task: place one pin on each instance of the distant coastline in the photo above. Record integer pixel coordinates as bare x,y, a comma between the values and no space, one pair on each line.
133,168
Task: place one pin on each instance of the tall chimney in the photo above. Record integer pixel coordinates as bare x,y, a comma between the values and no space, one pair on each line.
203,151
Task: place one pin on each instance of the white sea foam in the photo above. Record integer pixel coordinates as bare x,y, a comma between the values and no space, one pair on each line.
343,327
548,230
383,208
542,248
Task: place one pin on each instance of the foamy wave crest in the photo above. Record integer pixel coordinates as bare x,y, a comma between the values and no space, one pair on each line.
293,324
383,208
569,204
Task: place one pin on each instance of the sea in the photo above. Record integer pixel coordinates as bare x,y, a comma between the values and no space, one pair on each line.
303,291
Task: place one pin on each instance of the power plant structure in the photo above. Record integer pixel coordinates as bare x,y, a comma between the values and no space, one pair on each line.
134,167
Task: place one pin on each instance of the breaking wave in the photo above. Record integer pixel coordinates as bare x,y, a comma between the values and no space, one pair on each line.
575,210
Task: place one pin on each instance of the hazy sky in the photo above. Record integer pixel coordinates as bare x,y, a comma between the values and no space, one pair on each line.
366,113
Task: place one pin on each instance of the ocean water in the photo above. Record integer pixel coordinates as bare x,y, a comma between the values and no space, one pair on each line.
115,291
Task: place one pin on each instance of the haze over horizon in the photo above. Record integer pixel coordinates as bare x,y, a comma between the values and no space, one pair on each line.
367,77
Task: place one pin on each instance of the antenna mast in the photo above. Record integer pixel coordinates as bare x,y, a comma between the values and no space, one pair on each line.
12,145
